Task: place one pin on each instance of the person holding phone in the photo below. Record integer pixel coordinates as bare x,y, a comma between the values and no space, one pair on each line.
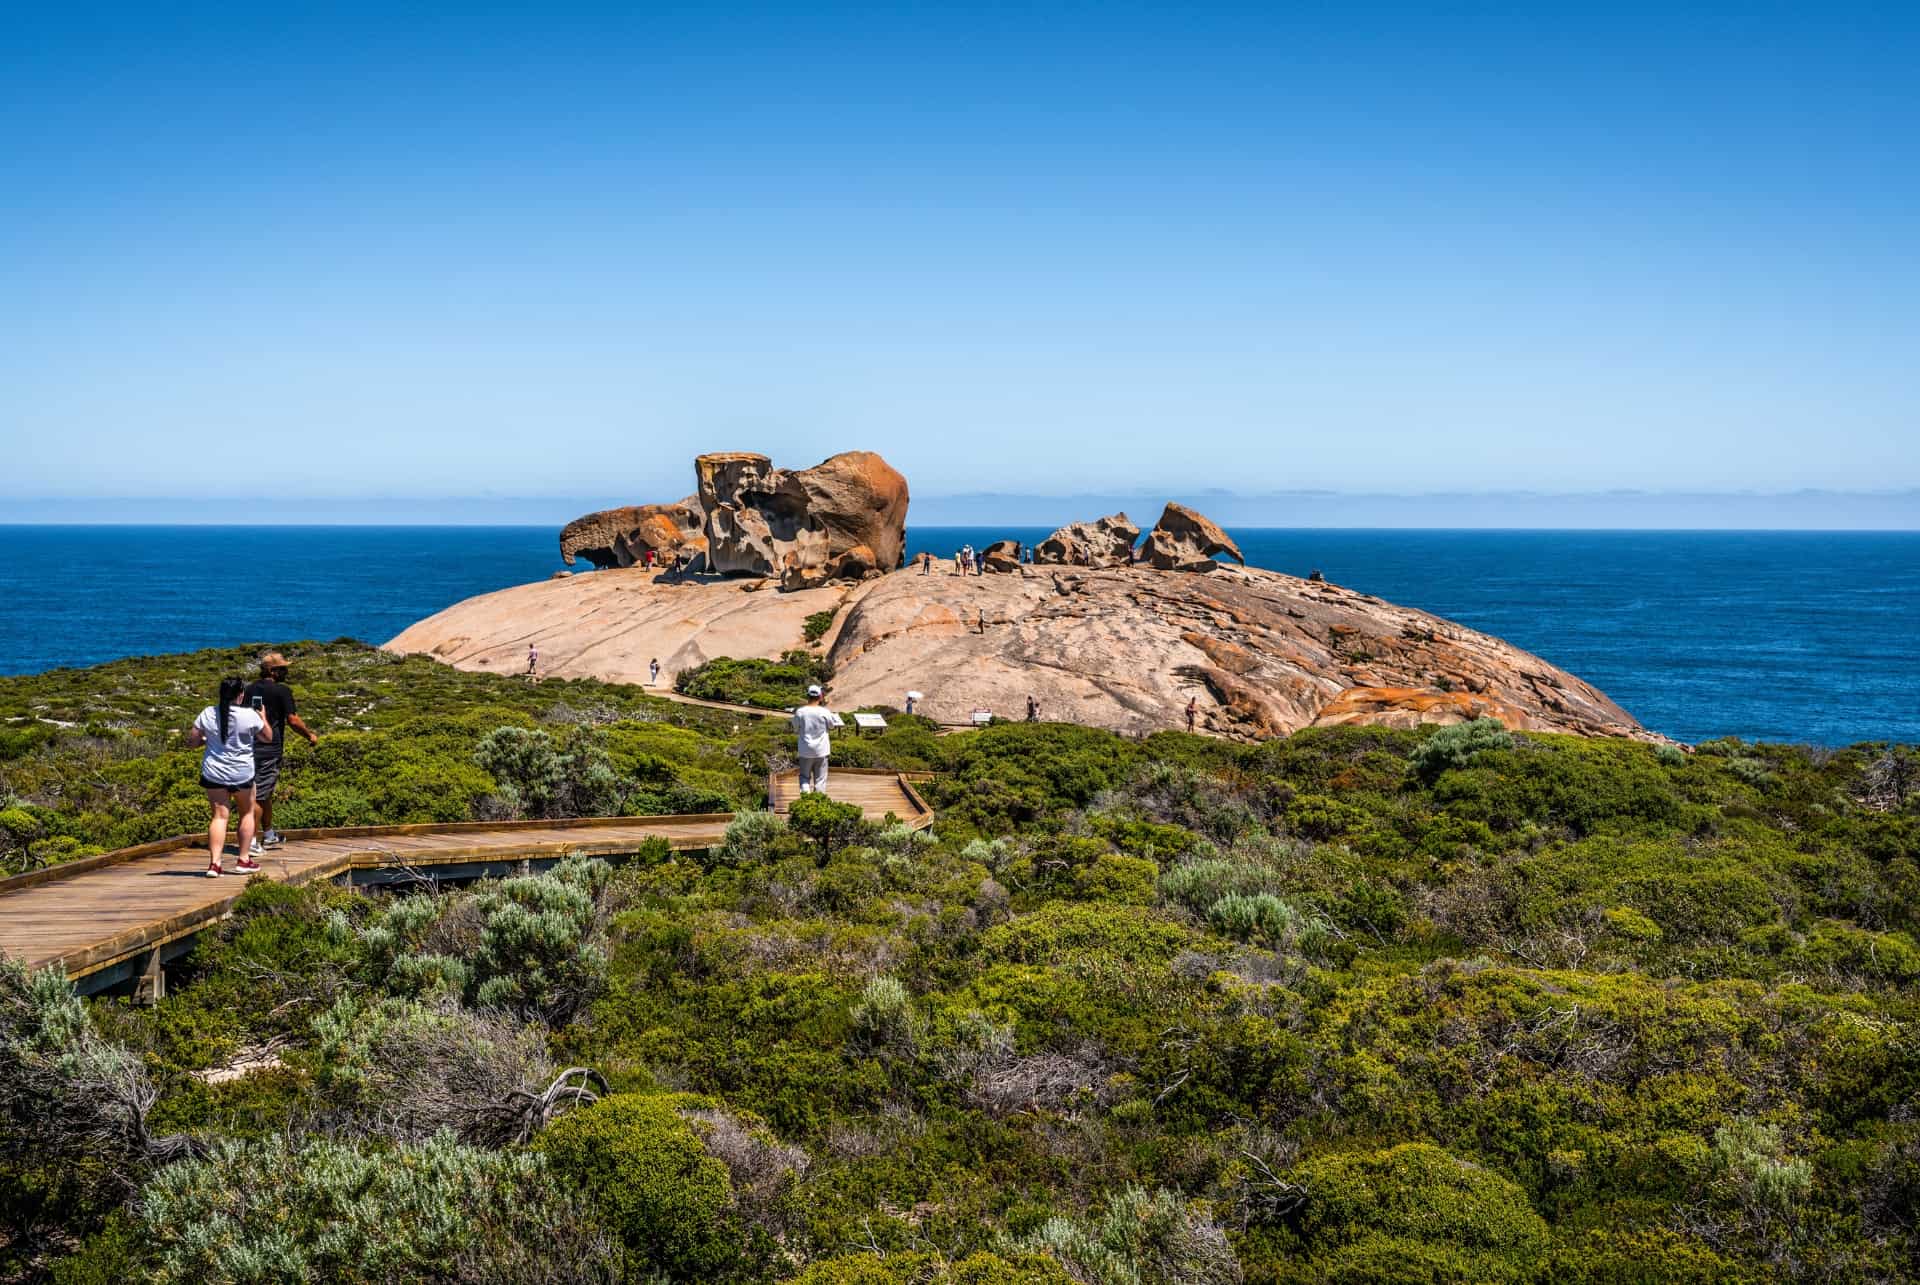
271,697
230,729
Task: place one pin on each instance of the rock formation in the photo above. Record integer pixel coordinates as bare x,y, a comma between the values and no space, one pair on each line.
1105,543
1122,648
1183,540
621,537
1125,649
843,519
1001,555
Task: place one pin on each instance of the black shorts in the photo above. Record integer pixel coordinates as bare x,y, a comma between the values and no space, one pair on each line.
266,773
247,784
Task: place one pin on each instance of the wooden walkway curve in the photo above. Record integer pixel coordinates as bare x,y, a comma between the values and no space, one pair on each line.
122,915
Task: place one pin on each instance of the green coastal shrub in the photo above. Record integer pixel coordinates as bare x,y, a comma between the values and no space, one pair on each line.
816,625
1456,746
829,823
1264,918
272,1211
768,684
1140,1238
539,952
925,1268
1416,1213
646,1172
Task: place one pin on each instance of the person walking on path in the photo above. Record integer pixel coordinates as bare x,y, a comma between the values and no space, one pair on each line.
812,723
229,728
271,698
911,698
653,672
533,659
1193,711
1033,709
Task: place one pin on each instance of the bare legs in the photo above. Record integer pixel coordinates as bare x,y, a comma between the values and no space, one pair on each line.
224,803
217,831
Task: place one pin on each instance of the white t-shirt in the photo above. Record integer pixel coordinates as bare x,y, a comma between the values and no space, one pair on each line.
230,761
811,723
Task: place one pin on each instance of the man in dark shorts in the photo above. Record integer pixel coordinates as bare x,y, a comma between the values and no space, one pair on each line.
270,695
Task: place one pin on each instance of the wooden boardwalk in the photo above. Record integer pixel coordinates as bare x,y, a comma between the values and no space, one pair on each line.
123,914
877,791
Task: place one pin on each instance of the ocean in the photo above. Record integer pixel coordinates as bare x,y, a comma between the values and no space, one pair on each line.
1782,636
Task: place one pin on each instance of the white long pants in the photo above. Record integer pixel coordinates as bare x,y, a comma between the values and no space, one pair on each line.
813,774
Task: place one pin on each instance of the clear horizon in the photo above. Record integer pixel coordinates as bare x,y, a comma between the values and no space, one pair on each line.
1389,249
1808,511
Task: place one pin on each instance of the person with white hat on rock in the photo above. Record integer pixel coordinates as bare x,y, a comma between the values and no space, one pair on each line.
812,723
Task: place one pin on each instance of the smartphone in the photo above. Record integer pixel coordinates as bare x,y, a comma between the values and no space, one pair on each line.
259,704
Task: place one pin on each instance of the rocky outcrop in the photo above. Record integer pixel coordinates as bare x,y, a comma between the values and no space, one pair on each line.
842,519
612,623
1002,556
1264,653
1183,540
621,537
1107,542
1123,648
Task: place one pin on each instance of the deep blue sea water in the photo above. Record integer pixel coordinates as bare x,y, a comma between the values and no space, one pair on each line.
1787,636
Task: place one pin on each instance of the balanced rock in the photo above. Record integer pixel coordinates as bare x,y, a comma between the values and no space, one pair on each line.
1183,540
1105,543
1001,555
621,537
844,518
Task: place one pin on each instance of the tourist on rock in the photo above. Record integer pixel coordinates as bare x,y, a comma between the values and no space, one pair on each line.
653,672
229,728
1193,711
811,724
911,697
533,659
1033,709
270,697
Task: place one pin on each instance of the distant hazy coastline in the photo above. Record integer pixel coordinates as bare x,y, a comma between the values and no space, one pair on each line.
1803,510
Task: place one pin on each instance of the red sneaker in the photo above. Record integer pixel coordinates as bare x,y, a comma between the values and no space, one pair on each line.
214,871
247,864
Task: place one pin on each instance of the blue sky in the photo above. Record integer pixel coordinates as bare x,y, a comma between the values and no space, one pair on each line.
556,250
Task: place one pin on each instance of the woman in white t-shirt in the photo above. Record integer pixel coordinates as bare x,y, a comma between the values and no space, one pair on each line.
228,728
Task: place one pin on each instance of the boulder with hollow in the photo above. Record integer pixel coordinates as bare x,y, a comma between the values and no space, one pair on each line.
1183,540
621,537
1001,555
844,518
1107,542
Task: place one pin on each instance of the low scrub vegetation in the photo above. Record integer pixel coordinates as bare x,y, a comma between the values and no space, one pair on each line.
1355,1005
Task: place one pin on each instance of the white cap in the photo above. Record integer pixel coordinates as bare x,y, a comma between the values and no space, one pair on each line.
813,690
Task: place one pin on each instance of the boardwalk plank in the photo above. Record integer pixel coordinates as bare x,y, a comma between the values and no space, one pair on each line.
112,908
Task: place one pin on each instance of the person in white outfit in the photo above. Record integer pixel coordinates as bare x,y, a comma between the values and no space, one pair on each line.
811,724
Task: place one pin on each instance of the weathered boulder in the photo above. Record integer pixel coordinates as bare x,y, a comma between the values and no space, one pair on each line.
1105,543
621,537
1001,555
1183,540
843,518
